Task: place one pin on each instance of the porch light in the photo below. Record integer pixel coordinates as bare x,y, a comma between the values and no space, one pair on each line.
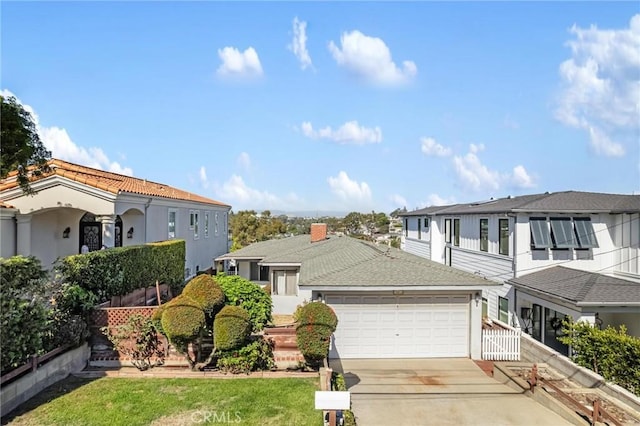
66,232
130,233
477,298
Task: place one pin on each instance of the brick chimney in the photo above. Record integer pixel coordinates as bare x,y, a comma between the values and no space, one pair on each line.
318,232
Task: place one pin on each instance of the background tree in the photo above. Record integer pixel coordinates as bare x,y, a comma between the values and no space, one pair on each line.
352,223
22,149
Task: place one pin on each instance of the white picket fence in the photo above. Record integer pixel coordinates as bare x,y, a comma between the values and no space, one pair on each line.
501,345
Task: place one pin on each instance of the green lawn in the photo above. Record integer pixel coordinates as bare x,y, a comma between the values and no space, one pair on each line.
120,401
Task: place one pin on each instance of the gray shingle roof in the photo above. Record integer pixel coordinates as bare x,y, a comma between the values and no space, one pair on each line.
566,201
580,287
345,261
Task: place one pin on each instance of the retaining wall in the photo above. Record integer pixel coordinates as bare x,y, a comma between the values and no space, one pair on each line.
27,386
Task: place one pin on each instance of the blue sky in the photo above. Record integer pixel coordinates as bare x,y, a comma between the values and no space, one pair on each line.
347,106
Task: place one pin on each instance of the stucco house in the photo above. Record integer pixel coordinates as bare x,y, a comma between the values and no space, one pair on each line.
77,206
557,254
389,303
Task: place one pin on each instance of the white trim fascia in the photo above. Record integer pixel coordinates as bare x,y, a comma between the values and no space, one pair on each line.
50,182
617,304
280,264
391,288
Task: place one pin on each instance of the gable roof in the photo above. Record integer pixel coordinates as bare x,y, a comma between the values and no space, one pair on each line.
566,201
582,288
345,261
111,182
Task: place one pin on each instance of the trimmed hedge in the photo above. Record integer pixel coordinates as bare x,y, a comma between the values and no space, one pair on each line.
257,355
120,270
231,328
206,292
23,312
182,321
316,323
254,299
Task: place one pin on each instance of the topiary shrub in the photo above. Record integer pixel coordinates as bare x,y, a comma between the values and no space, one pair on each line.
242,292
206,292
182,321
231,328
316,323
257,355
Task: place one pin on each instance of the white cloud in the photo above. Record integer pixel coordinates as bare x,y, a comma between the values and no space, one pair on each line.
398,200
235,189
349,132
520,178
601,86
239,64
350,191
244,160
58,141
203,177
431,147
370,58
299,43
436,200
475,176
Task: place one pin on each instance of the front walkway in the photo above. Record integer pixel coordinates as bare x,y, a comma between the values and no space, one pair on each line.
451,391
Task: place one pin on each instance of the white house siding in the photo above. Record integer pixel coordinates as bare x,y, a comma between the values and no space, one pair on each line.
493,267
419,248
286,305
627,236
600,259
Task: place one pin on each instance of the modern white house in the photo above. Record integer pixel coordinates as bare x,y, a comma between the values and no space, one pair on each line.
77,207
389,303
524,241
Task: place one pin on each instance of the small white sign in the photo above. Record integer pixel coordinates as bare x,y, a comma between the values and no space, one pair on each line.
326,400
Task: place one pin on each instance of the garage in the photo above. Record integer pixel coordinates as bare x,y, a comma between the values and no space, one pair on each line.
400,326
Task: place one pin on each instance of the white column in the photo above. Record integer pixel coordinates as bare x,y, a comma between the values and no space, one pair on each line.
23,244
476,325
108,229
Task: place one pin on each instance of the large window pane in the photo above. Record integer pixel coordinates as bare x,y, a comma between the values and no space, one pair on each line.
503,241
484,234
540,237
503,309
456,232
584,231
562,233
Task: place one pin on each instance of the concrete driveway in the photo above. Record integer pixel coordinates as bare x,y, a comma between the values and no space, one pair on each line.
435,392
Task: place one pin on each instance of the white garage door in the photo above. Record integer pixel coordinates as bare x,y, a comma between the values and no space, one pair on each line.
387,326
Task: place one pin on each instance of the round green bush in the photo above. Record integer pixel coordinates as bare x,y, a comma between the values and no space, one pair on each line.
231,328
206,292
249,295
316,323
182,319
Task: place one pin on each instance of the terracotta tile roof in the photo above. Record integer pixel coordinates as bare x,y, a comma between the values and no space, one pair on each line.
4,205
113,182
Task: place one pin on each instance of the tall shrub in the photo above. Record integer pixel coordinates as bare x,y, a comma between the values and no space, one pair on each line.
23,311
242,292
231,328
316,323
611,352
182,322
206,292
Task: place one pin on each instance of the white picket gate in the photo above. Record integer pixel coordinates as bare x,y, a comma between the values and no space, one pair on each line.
501,345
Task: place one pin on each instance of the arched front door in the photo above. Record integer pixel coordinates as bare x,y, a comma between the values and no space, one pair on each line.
91,232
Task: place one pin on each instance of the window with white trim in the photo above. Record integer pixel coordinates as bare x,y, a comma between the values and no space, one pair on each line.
484,235
215,224
171,224
285,283
419,229
503,236
206,224
192,218
503,309
196,224
456,232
